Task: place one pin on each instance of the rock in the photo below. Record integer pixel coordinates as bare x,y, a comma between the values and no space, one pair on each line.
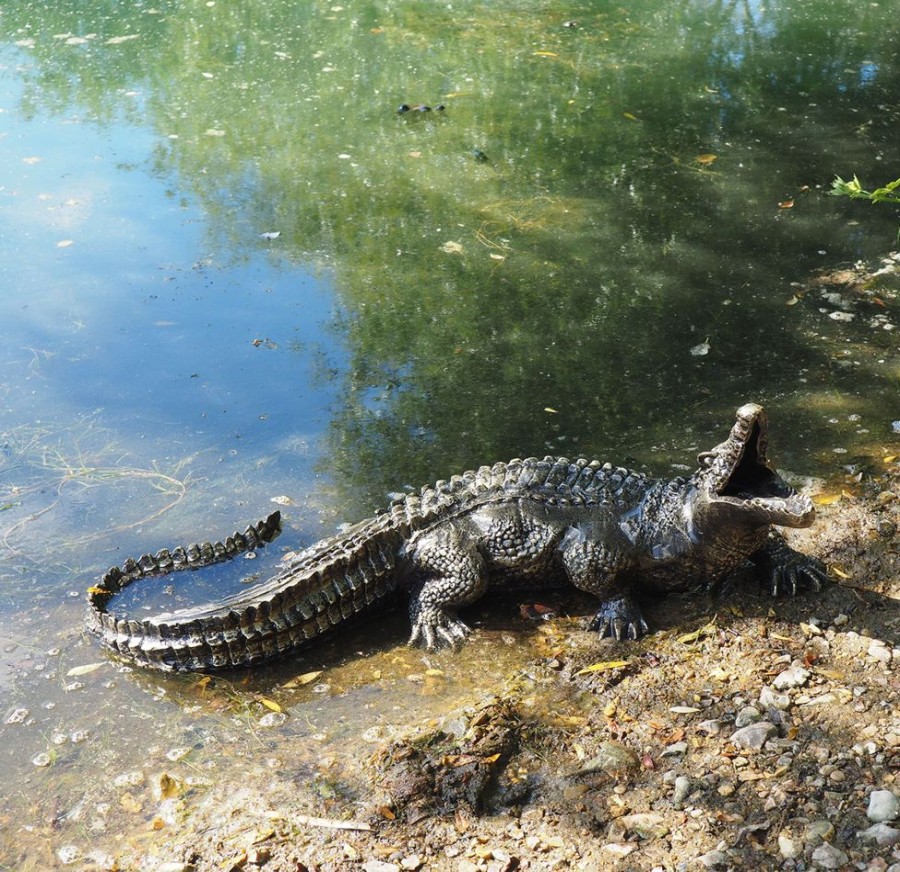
789,846
647,825
613,758
883,806
770,699
793,676
379,866
878,650
682,789
754,736
713,859
829,857
881,834
819,831
746,716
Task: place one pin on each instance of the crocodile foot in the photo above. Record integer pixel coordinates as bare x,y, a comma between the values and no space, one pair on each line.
620,618
435,628
788,571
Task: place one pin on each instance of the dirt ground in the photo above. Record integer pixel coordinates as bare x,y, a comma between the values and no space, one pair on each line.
744,732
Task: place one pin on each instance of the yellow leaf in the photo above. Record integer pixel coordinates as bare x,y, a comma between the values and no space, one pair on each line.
550,411
270,704
630,117
492,759
605,666
890,458
434,671
706,159
300,680
545,54
84,670
826,499
839,572
779,637
93,590
706,630
609,710
793,301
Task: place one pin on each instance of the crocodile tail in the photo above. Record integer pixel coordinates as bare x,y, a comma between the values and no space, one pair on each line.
320,588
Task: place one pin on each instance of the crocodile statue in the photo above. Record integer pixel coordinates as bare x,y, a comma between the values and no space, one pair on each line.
609,531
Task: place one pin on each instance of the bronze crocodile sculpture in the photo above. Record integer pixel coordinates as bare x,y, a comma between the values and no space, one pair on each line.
610,531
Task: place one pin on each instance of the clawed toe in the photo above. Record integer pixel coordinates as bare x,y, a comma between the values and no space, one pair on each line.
438,631
620,619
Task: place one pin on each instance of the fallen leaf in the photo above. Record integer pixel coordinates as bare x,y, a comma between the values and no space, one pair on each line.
604,666
793,301
840,573
305,678
629,116
31,160
93,590
65,243
550,410
706,630
545,54
684,709
826,499
271,704
86,669
452,248
701,350
786,204
706,159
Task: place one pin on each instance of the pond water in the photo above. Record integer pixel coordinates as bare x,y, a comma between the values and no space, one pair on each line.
233,273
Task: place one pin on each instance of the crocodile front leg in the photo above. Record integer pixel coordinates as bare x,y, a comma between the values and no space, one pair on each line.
788,570
598,569
450,573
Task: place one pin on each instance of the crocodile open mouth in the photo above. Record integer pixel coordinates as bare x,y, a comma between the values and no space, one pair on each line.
750,476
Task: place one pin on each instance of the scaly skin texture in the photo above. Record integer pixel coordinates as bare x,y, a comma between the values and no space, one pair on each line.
609,531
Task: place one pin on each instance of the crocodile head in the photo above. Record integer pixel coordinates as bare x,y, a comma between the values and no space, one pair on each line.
735,480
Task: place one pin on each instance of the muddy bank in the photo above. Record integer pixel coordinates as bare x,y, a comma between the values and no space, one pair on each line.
745,732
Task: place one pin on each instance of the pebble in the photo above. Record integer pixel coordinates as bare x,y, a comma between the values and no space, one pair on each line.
68,854
16,716
829,857
789,846
793,676
714,859
769,699
878,650
42,759
746,716
884,805
682,790
754,736
881,834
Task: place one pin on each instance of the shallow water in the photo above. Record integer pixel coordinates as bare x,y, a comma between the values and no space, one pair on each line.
231,272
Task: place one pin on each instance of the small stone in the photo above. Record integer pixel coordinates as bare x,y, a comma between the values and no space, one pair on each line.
613,758
379,866
793,676
68,854
789,846
16,716
714,859
878,650
881,834
841,620
746,716
754,736
675,749
883,806
682,790
174,867
829,857
646,824
770,699
710,728
41,760
411,863
819,831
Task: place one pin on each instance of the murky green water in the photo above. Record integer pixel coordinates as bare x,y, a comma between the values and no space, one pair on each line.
231,271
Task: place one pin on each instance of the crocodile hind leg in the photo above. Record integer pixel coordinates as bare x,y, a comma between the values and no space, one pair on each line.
593,568
449,573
